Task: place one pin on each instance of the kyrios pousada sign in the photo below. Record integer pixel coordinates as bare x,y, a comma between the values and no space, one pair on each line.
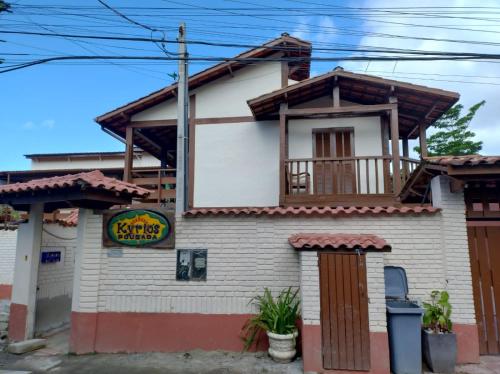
138,228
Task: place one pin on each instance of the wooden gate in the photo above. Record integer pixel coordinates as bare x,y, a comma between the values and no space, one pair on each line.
344,311
484,252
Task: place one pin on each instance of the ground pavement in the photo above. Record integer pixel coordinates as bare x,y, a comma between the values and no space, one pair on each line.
53,359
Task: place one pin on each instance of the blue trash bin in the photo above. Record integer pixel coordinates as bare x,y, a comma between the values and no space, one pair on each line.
404,324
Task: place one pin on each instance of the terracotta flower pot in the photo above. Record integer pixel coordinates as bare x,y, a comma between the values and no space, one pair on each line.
282,347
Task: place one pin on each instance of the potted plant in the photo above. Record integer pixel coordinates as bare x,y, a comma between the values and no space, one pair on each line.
439,343
277,317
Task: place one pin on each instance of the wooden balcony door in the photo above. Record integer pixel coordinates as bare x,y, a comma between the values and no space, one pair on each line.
334,176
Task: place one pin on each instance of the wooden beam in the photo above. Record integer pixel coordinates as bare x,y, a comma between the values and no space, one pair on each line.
152,143
477,170
283,152
422,120
351,109
396,172
129,154
152,123
423,140
217,120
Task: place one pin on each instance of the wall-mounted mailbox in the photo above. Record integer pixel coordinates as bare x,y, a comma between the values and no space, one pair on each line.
49,257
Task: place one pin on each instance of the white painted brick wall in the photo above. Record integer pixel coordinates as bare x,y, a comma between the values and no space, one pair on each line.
456,251
8,239
56,279
248,253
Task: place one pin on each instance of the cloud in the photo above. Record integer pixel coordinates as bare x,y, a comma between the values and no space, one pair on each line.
45,124
48,123
463,77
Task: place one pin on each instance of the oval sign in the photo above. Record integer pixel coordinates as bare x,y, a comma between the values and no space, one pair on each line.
138,228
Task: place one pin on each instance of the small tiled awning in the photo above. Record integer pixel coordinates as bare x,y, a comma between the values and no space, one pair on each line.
338,241
313,211
470,160
89,190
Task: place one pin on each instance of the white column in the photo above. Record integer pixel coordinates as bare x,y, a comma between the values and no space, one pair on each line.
87,262
29,239
455,249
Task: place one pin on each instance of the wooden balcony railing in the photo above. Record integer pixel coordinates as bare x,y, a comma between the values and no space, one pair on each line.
408,166
161,181
343,179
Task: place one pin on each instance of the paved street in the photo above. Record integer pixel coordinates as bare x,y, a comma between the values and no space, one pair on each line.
195,362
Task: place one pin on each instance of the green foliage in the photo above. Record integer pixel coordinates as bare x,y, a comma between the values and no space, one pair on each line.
4,7
453,136
438,312
8,215
278,315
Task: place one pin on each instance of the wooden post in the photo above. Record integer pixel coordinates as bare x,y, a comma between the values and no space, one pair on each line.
283,152
129,154
423,140
284,73
384,123
396,171
406,154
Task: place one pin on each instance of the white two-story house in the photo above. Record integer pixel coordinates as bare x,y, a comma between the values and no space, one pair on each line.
292,181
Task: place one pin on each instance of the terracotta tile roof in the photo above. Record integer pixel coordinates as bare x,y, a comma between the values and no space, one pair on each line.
336,241
463,160
67,220
321,211
94,179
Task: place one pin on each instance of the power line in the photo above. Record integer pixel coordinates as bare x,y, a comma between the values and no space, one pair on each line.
275,48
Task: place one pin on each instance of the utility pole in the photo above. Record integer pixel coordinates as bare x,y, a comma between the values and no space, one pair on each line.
182,125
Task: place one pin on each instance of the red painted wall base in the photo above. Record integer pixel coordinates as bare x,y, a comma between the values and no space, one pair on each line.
5,291
311,352
467,343
17,322
156,332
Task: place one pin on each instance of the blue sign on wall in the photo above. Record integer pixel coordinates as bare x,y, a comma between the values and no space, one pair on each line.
51,257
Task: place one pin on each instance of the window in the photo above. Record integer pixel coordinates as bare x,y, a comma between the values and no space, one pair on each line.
191,265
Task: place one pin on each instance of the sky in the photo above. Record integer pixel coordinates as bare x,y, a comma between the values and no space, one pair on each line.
51,108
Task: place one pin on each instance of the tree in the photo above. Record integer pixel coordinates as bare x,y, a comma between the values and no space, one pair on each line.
4,7
453,137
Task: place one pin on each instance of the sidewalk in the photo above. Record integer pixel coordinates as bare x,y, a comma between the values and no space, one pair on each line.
194,362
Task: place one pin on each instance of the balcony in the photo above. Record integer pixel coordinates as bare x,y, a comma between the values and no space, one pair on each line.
161,181
364,180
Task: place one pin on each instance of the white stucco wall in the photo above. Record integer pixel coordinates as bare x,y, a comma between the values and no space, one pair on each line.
144,160
237,164
367,142
225,97
8,239
164,110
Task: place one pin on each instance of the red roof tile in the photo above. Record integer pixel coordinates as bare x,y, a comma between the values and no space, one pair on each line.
67,220
336,241
470,160
94,179
321,211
